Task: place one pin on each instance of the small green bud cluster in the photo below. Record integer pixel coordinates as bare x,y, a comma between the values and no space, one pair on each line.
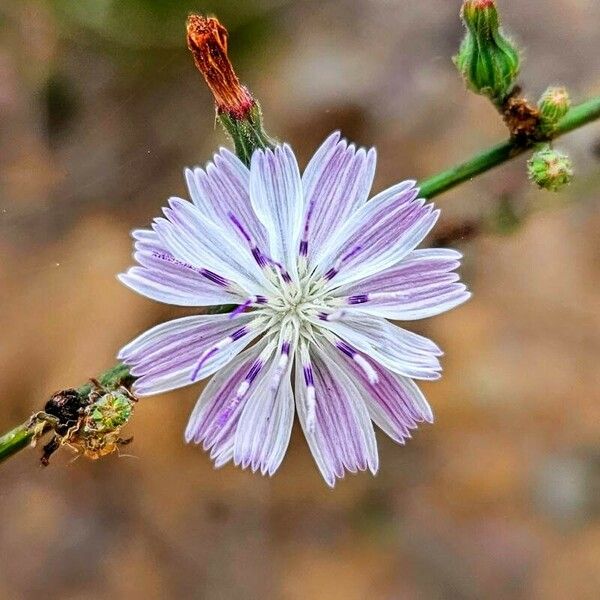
488,60
110,412
554,105
550,169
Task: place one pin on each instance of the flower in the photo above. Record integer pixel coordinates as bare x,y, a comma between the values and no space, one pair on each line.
316,272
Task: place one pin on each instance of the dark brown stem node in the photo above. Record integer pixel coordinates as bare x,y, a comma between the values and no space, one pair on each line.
522,118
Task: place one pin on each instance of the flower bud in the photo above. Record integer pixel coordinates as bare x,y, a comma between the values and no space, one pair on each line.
550,169
487,59
554,105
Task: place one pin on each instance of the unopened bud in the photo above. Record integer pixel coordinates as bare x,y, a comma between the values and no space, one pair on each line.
554,105
487,59
550,169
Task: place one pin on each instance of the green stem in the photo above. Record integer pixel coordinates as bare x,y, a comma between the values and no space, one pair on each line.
15,440
500,153
19,438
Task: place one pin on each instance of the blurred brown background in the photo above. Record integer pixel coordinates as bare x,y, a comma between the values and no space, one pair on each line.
100,110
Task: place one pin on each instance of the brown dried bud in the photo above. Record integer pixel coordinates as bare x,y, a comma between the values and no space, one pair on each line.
207,40
521,117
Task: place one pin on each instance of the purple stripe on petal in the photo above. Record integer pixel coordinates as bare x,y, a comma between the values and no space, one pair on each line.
209,354
236,335
259,257
308,375
395,404
358,299
214,277
345,348
336,182
331,274
239,227
421,285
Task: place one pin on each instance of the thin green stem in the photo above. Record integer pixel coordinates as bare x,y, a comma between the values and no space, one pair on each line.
578,116
15,440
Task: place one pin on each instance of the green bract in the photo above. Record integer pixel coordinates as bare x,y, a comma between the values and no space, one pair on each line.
487,59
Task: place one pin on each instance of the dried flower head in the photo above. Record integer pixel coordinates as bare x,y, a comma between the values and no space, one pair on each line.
207,40
316,272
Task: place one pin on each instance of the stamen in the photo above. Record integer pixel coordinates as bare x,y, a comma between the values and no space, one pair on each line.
262,259
255,369
280,270
281,365
334,316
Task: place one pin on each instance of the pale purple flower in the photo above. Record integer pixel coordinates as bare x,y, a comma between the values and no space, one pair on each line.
316,271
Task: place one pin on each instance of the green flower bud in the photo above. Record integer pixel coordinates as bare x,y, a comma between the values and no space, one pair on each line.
110,412
550,169
554,105
487,59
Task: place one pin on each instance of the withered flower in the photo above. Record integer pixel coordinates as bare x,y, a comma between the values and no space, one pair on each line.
207,40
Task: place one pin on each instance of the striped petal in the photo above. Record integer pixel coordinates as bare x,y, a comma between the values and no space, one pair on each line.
395,348
395,403
276,194
162,277
336,182
215,418
167,356
378,235
221,193
265,426
195,240
422,285
340,436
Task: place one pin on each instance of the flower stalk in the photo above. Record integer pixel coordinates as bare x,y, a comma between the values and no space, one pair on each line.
577,117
